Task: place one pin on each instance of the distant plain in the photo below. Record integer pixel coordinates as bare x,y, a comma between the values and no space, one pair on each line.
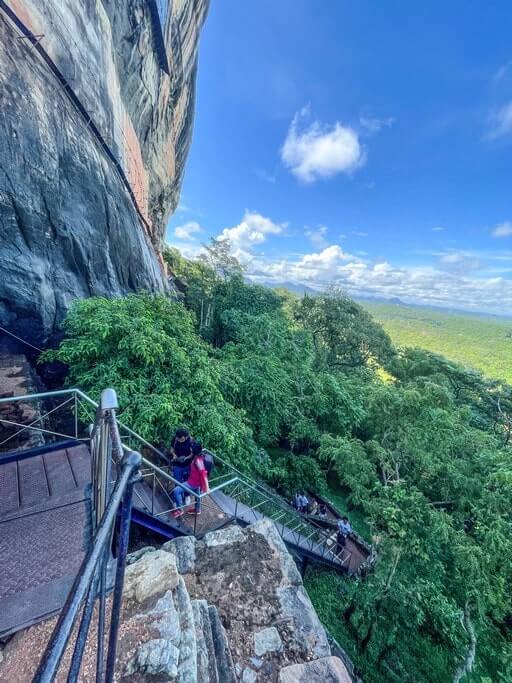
483,342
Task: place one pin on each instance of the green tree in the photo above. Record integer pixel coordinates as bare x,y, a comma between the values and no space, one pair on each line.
345,335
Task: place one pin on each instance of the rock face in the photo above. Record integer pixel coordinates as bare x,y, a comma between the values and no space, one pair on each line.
209,611
267,617
95,134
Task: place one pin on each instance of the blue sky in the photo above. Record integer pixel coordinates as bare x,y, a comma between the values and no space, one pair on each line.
367,144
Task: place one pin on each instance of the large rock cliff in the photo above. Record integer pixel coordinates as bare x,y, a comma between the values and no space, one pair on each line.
97,102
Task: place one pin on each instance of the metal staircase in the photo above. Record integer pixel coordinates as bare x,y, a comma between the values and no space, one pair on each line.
233,497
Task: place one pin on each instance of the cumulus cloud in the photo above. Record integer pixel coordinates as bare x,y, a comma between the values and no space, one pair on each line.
186,231
500,122
437,286
503,230
317,236
313,151
250,232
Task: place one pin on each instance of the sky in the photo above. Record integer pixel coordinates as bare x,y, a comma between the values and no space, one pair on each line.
366,144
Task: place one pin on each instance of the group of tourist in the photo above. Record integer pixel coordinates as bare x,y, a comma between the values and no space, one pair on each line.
190,467
306,507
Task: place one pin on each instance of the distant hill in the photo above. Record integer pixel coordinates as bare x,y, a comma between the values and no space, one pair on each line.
475,339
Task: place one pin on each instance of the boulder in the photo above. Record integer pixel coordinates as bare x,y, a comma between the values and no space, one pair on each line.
206,660
308,632
149,576
226,536
157,656
267,529
137,554
325,670
184,550
267,640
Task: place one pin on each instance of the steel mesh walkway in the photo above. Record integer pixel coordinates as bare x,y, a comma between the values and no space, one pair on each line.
45,531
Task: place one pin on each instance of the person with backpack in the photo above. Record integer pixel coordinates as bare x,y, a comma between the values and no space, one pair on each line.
181,455
197,481
209,460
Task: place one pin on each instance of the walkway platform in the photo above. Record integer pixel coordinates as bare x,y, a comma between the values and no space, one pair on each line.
45,531
46,528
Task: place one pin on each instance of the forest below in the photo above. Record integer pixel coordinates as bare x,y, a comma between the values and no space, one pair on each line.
310,392
480,341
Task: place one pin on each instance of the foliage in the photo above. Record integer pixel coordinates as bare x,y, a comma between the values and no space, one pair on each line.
146,347
345,335
420,448
483,342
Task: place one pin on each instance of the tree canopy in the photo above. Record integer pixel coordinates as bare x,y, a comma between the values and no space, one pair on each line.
419,445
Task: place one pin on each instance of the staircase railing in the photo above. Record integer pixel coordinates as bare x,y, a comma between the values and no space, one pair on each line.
90,585
155,495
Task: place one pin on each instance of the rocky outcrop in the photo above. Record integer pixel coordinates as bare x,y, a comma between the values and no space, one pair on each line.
326,670
224,609
94,139
256,589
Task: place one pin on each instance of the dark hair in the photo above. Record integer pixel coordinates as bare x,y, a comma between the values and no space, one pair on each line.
196,448
181,432
343,519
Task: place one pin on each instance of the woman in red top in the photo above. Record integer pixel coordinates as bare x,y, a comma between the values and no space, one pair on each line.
197,481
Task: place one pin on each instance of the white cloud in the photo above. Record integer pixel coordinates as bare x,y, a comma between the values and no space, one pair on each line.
442,286
438,228
314,151
186,231
372,124
460,262
251,231
317,236
500,122
325,261
359,233
503,230
182,208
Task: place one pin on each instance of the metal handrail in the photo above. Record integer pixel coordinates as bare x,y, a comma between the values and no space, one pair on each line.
86,584
304,531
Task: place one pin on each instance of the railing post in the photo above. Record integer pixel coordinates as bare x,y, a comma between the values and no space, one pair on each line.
102,452
76,416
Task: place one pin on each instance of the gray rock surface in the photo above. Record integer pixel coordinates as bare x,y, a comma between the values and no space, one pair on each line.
137,554
157,656
265,527
184,550
225,666
226,536
325,670
147,576
188,647
249,676
308,631
267,617
87,184
267,640
206,659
